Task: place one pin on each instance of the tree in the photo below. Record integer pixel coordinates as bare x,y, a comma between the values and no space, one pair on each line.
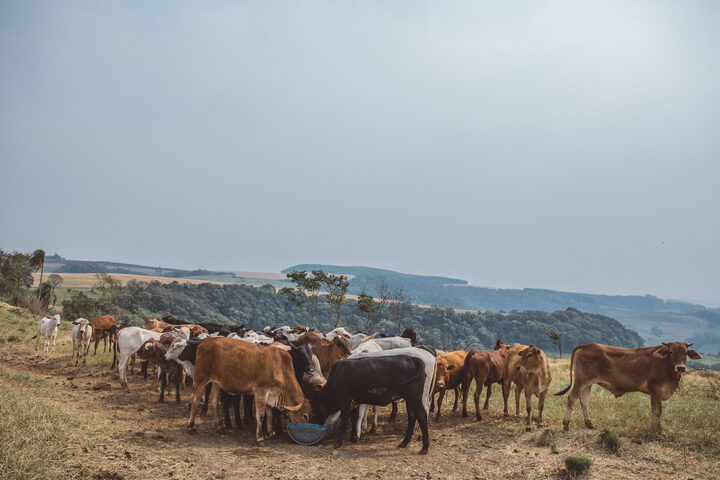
446,336
15,275
336,286
398,304
555,337
46,295
107,284
306,294
366,304
55,281
37,262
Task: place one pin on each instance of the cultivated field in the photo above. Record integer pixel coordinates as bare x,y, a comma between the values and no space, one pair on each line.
58,421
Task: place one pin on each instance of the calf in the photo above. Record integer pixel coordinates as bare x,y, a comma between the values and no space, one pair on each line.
378,378
450,375
485,367
655,371
101,330
154,351
81,335
47,328
529,368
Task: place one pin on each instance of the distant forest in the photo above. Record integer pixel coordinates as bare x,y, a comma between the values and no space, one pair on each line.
258,307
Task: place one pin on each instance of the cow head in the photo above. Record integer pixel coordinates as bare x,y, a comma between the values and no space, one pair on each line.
499,344
148,349
676,354
57,319
442,377
175,349
151,323
300,413
307,367
530,360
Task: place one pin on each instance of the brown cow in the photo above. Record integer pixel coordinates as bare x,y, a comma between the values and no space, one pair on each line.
328,352
154,324
449,376
170,371
486,367
529,369
101,330
655,371
243,367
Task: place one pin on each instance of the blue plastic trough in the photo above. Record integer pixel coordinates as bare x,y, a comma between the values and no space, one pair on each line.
311,433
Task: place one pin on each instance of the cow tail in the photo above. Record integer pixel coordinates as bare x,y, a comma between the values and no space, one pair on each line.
115,349
572,360
34,337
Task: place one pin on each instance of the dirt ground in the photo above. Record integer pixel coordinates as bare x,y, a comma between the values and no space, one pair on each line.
138,438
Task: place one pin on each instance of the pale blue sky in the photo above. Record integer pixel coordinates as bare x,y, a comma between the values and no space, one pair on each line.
563,145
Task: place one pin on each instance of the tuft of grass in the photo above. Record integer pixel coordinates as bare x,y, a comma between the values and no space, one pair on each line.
13,339
554,449
546,438
610,441
577,466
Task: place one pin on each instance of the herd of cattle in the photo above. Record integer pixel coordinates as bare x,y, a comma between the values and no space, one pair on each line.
313,376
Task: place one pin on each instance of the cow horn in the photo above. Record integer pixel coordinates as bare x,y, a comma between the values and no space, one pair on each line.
665,344
295,408
690,344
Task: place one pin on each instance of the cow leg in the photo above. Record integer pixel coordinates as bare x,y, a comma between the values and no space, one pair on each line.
194,402
122,370
355,421
393,412
432,402
163,384
344,418
373,429
656,405
441,395
422,418
276,421
541,405
178,382
585,402
225,400
528,407
216,405
144,369
208,389
506,393
236,409
569,408
97,340
259,415
518,391
487,397
54,337
362,415
478,392
247,409
467,380
132,364
412,418
457,397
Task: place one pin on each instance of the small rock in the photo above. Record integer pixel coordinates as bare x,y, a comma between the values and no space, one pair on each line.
515,450
128,454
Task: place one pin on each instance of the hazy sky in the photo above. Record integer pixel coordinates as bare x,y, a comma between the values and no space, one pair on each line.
563,145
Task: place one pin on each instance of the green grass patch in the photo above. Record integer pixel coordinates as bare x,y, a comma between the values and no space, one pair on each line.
577,466
609,441
34,433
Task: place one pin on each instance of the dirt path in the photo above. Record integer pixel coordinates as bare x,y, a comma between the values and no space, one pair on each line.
137,438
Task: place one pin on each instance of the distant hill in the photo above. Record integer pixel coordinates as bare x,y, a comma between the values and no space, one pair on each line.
655,319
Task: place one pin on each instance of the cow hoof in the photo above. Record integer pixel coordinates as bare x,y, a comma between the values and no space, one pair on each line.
590,425
372,430
528,429
424,451
541,425
478,418
192,431
338,444
464,414
506,414
354,439
566,427
402,445
261,443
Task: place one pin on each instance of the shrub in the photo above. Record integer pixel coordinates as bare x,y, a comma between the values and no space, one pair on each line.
546,438
610,441
577,466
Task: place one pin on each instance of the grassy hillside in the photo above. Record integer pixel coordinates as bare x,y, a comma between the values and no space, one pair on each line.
53,425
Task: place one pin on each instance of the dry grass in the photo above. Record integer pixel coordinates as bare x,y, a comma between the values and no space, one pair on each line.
87,280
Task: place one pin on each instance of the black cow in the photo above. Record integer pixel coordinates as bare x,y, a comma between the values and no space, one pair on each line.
378,380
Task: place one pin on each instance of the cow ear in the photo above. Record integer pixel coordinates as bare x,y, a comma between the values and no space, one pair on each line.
450,367
694,355
661,352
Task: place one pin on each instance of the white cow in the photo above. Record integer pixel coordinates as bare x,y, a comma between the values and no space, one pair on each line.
129,340
367,346
81,334
47,329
